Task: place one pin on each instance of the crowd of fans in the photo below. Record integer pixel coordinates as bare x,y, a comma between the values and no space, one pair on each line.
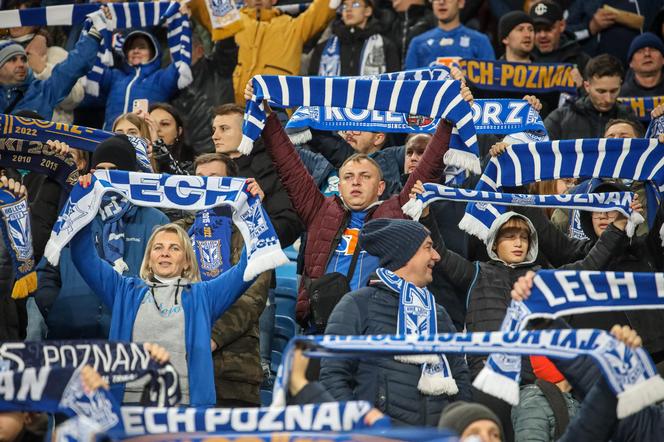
131,274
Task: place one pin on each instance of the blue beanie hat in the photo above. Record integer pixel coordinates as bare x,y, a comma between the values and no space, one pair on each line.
393,241
645,40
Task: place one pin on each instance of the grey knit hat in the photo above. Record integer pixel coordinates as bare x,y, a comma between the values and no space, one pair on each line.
460,414
8,49
393,241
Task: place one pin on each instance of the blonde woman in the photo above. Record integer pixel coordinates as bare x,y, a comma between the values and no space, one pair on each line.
167,305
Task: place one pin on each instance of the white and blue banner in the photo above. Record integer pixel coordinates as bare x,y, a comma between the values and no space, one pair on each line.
429,98
593,202
630,373
557,293
630,158
191,193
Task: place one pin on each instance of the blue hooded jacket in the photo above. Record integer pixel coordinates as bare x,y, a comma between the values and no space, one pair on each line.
148,81
42,96
202,303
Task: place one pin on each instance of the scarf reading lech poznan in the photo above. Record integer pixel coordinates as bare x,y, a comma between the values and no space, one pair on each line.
191,193
429,98
630,373
557,293
630,158
593,202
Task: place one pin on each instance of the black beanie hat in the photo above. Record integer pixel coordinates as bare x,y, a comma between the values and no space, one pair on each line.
510,21
460,414
392,241
117,150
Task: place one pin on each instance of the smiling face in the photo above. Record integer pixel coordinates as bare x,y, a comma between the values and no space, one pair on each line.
360,184
167,255
419,269
512,241
139,51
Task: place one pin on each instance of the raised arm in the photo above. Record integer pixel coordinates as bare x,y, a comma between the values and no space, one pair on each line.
224,290
300,186
96,272
314,19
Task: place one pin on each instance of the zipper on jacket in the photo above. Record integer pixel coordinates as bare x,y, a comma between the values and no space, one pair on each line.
128,91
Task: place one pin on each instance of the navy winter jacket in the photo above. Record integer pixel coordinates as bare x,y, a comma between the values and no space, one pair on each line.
390,385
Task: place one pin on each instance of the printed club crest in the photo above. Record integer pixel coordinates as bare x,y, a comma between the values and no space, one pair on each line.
210,254
418,120
17,223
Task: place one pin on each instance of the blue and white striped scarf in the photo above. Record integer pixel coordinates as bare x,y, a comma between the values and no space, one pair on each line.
630,373
417,317
593,202
191,193
124,16
430,98
630,158
557,293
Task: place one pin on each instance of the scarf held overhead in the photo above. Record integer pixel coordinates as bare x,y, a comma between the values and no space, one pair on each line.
630,373
176,192
557,293
642,106
593,202
500,75
630,158
428,98
490,116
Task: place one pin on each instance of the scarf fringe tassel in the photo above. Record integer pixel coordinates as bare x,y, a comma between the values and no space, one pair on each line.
497,385
25,285
262,262
473,227
640,396
436,384
300,137
464,160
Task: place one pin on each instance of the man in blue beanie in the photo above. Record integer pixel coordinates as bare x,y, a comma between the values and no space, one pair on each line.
396,301
646,60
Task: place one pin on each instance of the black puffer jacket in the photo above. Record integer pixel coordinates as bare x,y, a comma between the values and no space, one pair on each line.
406,25
259,165
488,284
390,385
352,42
581,120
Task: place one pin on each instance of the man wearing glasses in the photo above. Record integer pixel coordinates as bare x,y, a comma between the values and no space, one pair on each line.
449,39
356,46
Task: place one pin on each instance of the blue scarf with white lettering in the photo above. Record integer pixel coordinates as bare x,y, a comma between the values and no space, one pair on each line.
630,158
17,236
118,362
557,293
630,373
24,141
501,75
211,238
593,202
429,98
490,116
642,106
182,192
113,211
417,317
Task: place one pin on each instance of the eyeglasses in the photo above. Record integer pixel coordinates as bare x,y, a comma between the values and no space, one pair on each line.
354,5
611,216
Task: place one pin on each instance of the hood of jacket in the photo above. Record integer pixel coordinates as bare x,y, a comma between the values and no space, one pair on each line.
595,186
533,243
354,34
151,65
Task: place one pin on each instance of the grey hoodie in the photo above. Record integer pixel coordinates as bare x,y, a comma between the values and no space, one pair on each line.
533,246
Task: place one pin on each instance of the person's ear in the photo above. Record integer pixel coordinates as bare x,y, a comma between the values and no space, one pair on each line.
368,11
562,26
381,187
379,139
586,86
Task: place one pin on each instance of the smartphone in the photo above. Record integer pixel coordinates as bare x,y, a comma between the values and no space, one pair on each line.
140,104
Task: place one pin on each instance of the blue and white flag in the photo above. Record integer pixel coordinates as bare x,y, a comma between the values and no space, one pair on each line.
182,192
630,158
593,202
557,293
17,236
428,98
630,373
